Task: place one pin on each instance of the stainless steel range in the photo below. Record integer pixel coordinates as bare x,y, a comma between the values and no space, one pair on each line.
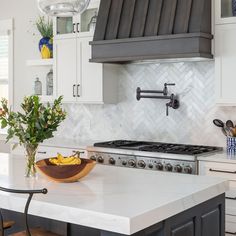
170,157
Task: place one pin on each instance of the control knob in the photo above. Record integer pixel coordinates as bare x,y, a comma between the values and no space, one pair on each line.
112,161
93,158
159,166
100,159
169,167
131,163
124,163
141,164
150,165
188,170
178,168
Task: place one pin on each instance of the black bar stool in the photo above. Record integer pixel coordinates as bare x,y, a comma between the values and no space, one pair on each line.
28,232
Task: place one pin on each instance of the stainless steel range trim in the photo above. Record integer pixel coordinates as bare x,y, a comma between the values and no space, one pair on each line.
143,162
148,154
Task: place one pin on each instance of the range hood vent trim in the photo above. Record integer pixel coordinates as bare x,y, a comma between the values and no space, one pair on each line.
162,29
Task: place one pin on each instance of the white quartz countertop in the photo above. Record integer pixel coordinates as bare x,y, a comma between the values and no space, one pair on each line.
115,199
222,157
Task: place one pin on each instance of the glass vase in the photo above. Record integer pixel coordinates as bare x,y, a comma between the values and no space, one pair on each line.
31,150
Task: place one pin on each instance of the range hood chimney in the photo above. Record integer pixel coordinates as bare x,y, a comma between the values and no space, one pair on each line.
131,30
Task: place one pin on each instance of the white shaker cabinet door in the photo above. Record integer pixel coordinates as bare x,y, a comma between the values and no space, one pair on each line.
65,68
225,62
90,75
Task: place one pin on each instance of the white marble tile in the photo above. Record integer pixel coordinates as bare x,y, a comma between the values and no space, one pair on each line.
146,120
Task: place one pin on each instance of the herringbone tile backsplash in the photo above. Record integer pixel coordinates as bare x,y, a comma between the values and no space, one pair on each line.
146,119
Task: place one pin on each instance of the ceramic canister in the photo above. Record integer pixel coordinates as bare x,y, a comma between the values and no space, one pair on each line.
234,7
231,144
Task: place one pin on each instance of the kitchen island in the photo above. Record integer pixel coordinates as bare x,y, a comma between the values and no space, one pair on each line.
122,201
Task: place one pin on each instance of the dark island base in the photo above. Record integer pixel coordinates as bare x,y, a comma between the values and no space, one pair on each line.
206,219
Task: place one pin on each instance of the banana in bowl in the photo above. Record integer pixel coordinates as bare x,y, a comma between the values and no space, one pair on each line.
61,160
65,169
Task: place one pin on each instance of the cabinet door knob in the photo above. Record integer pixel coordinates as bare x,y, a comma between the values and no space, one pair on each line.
230,198
74,91
77,27
78,86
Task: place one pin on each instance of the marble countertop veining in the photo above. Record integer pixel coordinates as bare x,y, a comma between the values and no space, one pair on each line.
110,198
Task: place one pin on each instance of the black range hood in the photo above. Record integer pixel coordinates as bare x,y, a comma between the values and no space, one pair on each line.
133,30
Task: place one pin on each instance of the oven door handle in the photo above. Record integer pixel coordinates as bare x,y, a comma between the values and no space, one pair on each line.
222,171
230,198
230,233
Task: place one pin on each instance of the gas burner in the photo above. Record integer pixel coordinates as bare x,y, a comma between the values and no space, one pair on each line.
172,148
118,144
178,149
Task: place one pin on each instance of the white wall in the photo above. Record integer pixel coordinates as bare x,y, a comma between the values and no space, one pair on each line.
25,44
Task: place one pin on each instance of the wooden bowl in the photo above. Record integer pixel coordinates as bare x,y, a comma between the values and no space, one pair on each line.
66,173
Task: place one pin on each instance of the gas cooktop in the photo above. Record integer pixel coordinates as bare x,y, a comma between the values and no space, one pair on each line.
179,158
172,148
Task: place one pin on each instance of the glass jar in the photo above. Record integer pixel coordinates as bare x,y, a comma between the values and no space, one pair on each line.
37,87
49,83
92,23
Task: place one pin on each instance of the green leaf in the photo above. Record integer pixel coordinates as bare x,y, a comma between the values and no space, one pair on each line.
36,123
3,124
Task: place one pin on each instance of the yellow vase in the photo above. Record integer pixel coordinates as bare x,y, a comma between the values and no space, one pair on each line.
45,52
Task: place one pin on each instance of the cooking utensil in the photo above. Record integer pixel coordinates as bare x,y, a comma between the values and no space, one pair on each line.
228,132
219,123
229,124
224,131
233,131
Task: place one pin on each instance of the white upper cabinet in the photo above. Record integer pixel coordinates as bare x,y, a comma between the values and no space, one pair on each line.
225,62
225,11
91,88
65,58
225,51
79,80
67,27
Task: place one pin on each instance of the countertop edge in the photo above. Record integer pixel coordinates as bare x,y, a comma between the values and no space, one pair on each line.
188,203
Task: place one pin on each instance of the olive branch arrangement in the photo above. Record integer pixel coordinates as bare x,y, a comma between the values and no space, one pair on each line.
35,124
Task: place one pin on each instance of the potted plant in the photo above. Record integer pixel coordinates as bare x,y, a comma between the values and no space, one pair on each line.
45,28
35,124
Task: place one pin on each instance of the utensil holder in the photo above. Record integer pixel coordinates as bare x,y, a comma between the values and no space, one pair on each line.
231,144
234,7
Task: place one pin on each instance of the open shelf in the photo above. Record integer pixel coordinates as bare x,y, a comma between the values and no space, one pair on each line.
40,62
